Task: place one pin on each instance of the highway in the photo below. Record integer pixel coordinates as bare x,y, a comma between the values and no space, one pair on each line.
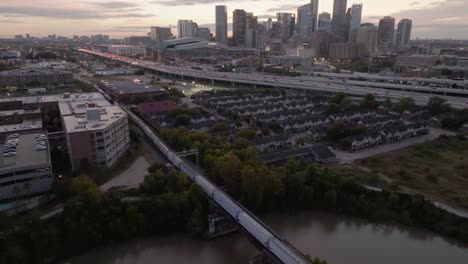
320,82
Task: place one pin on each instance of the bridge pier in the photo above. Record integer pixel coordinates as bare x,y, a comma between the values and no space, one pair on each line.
212,82
218,225
261,258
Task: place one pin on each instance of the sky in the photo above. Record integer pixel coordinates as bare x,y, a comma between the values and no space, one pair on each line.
439,19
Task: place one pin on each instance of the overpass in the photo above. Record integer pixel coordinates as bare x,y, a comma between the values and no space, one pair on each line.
383,87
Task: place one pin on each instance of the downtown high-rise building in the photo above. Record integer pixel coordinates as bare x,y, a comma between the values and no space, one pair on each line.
239,20
186,29
404,32
356,16
251,31
386,29
339,20
307,16
324,21
368,35
221,24
286,25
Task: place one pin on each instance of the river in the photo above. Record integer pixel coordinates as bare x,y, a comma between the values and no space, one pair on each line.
339,240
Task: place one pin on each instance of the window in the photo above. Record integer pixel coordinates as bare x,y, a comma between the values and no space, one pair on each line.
6,175
100,148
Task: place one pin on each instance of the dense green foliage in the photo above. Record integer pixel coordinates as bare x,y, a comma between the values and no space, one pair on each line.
94,219
296,186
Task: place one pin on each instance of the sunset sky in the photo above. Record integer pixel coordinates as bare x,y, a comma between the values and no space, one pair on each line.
120,18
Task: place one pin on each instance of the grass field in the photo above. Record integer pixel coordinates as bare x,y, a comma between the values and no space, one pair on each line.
437,168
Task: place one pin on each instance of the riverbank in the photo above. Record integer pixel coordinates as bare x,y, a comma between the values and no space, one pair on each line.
338,239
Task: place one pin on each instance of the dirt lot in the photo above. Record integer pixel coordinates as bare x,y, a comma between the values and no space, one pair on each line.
437,168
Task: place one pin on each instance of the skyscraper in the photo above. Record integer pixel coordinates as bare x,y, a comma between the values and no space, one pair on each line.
356,15
239,20
304,20
314,7
404,32
339,19
221,24
324,21
186,28
307,18
251,31
386,29
287,23
347,29
368,35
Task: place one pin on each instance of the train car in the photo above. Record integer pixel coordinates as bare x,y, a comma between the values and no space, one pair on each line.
283,253
207,186
191,173
254,228
226,203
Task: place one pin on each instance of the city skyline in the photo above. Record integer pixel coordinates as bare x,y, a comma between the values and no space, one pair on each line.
443,19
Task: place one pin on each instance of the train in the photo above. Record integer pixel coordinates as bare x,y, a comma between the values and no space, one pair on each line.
275,245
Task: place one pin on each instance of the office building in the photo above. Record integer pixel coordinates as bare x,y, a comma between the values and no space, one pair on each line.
126,50
159,34
286,25
307,16
186,29
321,40
368,35
204,33
221,24
324,21
27,170
386,29
96,131
356,16
239,20
404,33
347,29
251,31
346,51
339,20
138,40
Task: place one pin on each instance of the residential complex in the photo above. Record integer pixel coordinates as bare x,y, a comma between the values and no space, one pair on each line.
25,77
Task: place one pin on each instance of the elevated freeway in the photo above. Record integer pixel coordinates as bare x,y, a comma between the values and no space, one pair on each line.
383,87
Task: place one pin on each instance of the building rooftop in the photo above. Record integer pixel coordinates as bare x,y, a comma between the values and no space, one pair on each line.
34,124
135,86
74,109
26,154
93,118
30,71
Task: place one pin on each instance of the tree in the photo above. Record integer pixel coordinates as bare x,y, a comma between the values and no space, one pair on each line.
85,187
437,105
246,133
405,104
369,101
338,98
387,102
220,127
181,120
155,183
